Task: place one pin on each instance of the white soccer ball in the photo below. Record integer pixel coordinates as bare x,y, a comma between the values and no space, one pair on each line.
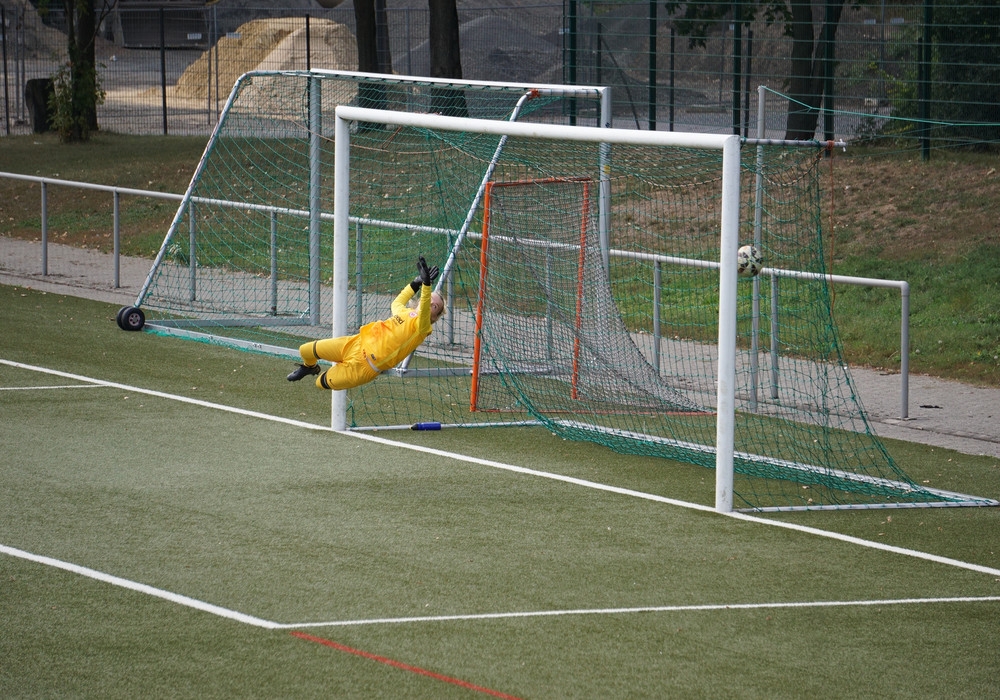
748,261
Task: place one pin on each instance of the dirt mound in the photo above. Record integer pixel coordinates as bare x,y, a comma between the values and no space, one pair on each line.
39,40
269,44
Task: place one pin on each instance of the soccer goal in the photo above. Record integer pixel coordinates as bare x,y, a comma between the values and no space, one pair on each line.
597,295
245,261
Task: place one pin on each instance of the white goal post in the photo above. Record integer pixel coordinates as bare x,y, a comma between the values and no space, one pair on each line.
729,223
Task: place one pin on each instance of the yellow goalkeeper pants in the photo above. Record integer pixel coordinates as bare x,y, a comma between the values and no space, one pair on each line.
352,366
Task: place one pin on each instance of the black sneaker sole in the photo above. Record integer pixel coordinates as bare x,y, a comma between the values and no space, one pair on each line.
302,371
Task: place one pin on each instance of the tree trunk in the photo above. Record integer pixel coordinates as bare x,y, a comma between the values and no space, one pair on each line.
86,41
382,47
374,54
364,19
76,115
802,83
370,95
805,82
446,56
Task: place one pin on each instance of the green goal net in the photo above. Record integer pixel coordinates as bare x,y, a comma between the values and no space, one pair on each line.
589,276
588,297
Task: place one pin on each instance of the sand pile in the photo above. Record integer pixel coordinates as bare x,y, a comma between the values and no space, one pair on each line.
268,44
40,40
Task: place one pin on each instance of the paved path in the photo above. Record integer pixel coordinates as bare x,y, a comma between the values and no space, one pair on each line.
943,413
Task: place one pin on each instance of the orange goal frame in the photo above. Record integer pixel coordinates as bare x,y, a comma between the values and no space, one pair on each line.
484,270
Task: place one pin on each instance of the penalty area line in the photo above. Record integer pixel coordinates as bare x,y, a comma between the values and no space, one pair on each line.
532,472
58,386
715,607
140,588
254,621
171,397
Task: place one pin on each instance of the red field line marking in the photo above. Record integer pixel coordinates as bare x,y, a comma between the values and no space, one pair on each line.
402,666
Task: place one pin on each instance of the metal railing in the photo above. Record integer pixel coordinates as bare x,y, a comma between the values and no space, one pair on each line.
116,193
655,260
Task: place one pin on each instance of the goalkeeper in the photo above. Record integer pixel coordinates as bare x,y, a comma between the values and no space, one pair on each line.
379,345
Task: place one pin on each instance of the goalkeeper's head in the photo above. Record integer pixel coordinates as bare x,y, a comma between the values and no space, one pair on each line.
437,307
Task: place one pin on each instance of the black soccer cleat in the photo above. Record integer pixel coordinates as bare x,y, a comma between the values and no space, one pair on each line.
303,371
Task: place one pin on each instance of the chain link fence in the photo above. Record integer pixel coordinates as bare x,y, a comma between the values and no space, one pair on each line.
927,72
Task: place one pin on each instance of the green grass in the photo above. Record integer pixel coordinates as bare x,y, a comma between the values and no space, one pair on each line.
934,225
298,526
80,217
954,314
161,163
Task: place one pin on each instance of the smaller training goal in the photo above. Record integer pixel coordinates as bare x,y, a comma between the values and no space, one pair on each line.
546,311
245,261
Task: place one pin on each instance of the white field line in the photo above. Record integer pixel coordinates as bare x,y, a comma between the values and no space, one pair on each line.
268,624
140,588
684,504
533,472
648,609
57,386
163,395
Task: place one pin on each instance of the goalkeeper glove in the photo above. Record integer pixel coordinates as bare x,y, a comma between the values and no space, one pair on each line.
427,274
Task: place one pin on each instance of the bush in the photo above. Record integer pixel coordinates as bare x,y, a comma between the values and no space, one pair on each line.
77,92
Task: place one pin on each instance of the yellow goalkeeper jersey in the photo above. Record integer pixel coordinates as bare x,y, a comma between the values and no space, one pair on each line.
389,341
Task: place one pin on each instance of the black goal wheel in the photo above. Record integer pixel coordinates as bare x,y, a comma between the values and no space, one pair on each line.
131,318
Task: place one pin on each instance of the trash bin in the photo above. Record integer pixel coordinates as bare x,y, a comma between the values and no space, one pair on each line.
38,94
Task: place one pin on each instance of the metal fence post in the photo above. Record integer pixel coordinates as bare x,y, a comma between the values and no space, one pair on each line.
163,68
274,263
657,291
45,229
117,239
6,91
